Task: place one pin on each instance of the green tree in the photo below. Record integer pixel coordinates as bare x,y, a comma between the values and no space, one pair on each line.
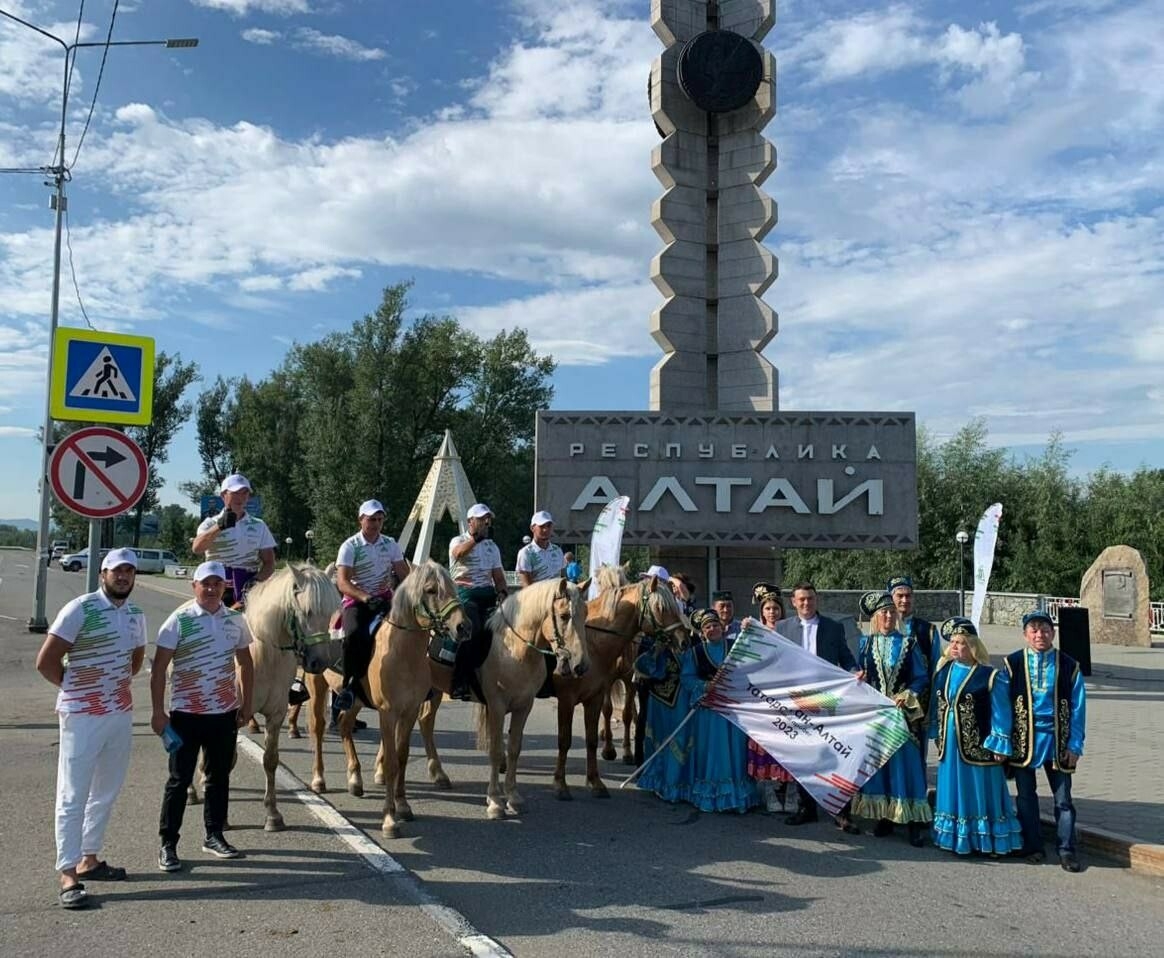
176,531
172,378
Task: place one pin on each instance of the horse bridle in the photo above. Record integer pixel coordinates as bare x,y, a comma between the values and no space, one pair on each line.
301,640
438,620
646,615
559,639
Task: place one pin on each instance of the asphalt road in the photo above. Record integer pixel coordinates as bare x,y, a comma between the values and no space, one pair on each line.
630,875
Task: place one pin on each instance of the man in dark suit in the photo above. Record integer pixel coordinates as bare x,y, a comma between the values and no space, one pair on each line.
824,637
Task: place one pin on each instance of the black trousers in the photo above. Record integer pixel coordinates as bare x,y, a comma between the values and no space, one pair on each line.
214,736
358,642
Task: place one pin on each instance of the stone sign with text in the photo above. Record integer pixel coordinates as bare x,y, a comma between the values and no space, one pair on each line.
831,480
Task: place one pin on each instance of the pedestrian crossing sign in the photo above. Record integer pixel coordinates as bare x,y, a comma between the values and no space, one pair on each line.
102,377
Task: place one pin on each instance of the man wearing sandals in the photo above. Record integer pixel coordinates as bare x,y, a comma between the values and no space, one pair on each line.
94,648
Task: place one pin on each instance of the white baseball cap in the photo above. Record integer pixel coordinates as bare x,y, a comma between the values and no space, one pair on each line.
208,569
542,518
115,557
478,510
657,570
236,482
371,507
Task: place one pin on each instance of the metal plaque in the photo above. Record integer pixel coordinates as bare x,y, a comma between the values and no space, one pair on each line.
1119,594
823,480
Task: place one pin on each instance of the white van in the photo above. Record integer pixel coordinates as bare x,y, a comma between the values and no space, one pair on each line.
155,560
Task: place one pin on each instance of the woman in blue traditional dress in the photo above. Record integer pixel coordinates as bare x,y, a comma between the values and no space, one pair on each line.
971,720
770,776
894,665
657,669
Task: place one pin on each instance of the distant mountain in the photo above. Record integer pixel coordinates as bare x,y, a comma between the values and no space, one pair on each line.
29,524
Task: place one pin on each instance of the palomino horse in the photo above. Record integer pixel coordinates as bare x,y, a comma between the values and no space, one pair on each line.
288,610
613,618
543,621
398,683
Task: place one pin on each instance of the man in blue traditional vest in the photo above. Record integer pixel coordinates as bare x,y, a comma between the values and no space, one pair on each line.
1050,710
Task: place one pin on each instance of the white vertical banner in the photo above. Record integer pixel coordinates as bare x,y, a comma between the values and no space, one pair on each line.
984,541
606,540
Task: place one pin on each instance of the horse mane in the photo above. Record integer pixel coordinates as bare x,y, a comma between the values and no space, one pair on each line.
610,580
410,593
295,584
663,600
524,611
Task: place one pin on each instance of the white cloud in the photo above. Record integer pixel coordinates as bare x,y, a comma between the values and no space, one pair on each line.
17,431
345,48
241,7
260,36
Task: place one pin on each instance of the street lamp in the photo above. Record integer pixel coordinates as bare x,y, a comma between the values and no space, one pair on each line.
288,542
60,175
309,535
963,537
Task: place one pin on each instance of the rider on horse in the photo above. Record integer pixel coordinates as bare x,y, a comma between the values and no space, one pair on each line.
475,564
365,568
240,541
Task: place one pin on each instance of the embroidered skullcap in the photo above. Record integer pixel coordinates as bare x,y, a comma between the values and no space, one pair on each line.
875,601
721,595
478,510
236,483
1038,615
899,582
764,591
371,507
700,618
658,572
116,557
958,625
208,569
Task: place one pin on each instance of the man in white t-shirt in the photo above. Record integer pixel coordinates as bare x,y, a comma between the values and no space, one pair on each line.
366,567
94,648
475,565
205,640
240,541
541,559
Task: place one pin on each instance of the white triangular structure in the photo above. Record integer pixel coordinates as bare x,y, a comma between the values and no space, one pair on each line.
446,489
103,380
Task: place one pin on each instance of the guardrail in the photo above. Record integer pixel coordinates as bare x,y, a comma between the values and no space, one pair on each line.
1053,603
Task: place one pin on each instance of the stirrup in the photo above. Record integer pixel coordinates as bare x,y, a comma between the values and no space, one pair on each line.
344,699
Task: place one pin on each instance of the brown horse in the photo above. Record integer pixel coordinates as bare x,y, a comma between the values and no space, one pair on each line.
613,618
542,622
294,605
398,684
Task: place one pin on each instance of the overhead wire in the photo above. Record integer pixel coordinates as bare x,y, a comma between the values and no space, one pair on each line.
97,85
73,271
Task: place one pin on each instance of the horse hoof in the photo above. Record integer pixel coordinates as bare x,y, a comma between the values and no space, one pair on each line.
404,813
193,799
319,786
378,778
495,812
274,824
599,791
609,753
514,808
563,795
441,781
293,732
390,831
356,789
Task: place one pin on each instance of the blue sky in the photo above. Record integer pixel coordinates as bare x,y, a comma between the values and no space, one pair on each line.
969,199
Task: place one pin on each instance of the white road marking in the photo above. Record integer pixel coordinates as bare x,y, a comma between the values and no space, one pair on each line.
451,920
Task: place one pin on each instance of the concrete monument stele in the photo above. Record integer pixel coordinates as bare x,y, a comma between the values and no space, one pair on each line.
445,489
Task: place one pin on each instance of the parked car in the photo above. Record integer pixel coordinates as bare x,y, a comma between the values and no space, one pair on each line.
59,548
76,561
155,560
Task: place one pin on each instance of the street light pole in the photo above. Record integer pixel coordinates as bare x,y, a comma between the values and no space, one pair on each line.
288,542
38,622
309,535
963,537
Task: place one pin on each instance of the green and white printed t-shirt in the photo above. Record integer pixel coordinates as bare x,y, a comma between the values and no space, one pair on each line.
539,563
202,673
370,562
474,570
102,638
238,547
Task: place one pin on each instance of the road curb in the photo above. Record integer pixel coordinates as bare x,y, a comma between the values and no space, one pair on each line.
1142,858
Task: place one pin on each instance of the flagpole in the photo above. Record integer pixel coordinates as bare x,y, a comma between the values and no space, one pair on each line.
667,741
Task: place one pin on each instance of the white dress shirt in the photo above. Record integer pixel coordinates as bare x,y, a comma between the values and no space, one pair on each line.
808,633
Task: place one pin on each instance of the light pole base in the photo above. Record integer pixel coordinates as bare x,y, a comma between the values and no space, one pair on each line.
37,625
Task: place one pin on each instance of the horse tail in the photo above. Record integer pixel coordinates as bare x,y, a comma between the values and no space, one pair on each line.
482,719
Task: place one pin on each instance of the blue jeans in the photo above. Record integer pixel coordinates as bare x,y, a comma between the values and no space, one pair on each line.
1027,806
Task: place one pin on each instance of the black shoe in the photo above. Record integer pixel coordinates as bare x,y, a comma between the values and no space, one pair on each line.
343,700
219,847
883,828
168,860
802,816
846,825
917,835
1069,863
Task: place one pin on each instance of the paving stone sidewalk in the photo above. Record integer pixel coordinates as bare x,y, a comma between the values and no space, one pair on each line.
1119,787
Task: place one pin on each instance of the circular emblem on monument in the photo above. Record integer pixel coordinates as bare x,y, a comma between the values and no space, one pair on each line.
720,71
